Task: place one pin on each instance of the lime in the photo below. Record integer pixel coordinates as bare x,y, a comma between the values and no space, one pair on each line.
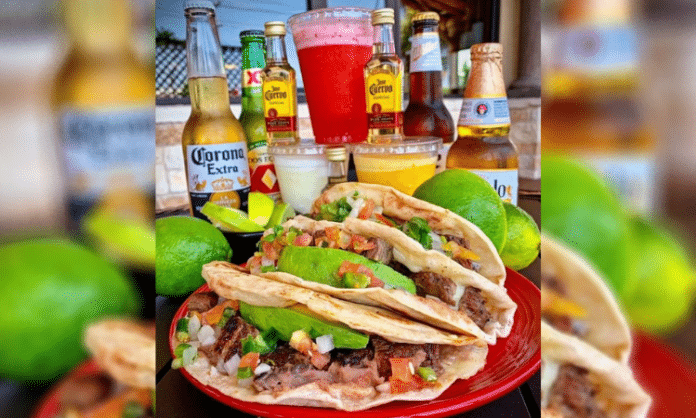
582,211
523,238
229,219
470,197
667,280
184,245
281,213
50,290
260,208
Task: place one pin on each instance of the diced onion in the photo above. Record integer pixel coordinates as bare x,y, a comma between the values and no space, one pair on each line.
411,368
245,383
325,343
359,203
350,200
232,365
262,368
189,355
437,242
193,326
220,367
379,209
205,333
208,341
384,387
214,371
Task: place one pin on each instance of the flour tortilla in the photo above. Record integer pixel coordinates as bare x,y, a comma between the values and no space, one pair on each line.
413,256
461,356
617,388
402,206
125,349
608,329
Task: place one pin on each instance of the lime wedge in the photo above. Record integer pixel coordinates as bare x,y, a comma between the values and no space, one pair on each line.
260,207
281,213
229,219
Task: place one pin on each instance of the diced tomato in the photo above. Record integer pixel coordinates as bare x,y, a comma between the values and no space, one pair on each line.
347,266
360,243
366,211
319,360
303,240
249,360
400,369
384,220
254,264
213,315
270,250
333,234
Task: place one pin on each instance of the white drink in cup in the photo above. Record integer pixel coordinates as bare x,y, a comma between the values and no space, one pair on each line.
303,173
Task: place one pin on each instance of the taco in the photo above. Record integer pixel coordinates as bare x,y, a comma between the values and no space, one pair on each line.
373,264
436,229
260,340
579,381
575,300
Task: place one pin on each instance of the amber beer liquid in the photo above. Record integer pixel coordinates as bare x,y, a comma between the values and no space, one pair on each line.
483,146
383,80
213,141
426,114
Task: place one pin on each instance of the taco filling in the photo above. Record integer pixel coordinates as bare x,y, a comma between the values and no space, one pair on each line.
277,349
569,391
339,259
561,313
98,395
357,206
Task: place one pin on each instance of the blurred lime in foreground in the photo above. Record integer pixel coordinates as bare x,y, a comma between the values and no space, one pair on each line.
523,238
49,291
184,245
470,197
666,283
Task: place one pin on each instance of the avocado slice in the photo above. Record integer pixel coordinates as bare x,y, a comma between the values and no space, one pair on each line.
288,320
321,265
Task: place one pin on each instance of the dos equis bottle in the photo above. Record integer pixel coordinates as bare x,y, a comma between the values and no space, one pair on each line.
483,146
213,141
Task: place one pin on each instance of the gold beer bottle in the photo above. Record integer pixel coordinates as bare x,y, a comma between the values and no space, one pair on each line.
483,146
103,99
214,145
279,88
383,80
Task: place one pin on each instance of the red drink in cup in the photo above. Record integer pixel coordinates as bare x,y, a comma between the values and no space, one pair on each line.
333,46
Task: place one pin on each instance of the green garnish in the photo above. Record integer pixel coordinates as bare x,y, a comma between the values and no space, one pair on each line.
182,330
133,410
336,211
355,280
226,315
244,373
261,344
179,350
177,363
268,269
427,374
418,229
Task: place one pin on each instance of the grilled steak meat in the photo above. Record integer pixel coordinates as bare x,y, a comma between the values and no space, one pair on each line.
435,285
474,306
574,395
382,252
229,342
84,392
384,350
201,302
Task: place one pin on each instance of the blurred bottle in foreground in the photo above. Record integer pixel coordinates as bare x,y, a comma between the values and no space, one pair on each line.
426,114
103,96
215,151
263,176
483,146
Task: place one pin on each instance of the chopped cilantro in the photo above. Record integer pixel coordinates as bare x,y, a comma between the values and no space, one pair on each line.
336,211
418,229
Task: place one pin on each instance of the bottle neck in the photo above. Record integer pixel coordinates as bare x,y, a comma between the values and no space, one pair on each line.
252,65
275,49
209,96
203,51
112,17
383,40
485,78
426,87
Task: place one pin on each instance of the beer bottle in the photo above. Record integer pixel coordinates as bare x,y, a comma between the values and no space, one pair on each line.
383,80
215,151
263,177
426,114
103,100
483,146
279,88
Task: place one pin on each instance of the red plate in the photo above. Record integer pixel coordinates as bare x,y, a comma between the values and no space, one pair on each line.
50,404
667,376
510,363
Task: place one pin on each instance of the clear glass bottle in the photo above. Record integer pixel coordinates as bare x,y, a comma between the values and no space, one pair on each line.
338,165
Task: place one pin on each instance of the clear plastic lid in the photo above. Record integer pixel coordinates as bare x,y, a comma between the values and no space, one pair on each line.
306,147
399,146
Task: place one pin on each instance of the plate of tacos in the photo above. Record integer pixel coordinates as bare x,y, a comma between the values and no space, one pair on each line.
379,303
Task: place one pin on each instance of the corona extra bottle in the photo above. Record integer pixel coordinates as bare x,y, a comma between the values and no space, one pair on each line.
483,146
213,141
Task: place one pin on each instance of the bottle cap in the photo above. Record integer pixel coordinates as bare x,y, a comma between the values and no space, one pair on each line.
275,28
426,16
338,153
382,16
199,4
252,33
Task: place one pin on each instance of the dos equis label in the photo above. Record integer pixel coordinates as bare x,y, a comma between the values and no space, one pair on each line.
279,105
503,181
383,93
218,173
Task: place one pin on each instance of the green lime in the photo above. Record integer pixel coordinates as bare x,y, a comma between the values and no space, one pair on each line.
229,219
582,211
184,245
50,290
667,280
523,238
281,213
260,208
469,196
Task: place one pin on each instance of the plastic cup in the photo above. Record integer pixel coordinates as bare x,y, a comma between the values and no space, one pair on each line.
333,46
303,172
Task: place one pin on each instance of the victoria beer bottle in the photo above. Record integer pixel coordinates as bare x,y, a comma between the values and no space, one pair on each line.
263,177
213,141
426,114
483,146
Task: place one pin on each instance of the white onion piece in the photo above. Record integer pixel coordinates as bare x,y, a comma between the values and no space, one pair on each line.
379,209
262,368
232,365
245,383
437,242
208,341
350,200
206,332
193,326
267,262
384,387
359,203
188,356
214,371
220,366
325,343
